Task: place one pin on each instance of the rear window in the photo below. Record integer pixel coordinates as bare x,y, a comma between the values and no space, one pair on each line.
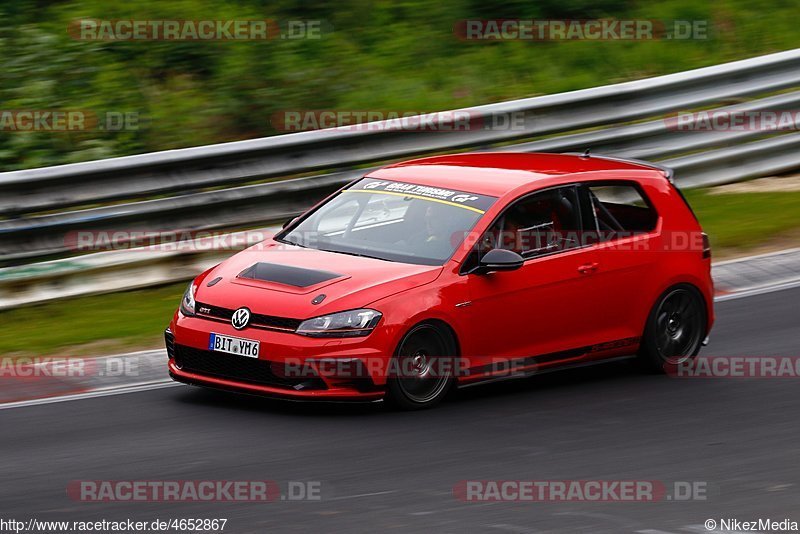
621,209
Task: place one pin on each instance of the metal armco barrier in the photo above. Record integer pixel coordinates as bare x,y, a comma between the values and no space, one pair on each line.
202,188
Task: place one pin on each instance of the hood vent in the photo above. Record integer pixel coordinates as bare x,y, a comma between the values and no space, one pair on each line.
284,274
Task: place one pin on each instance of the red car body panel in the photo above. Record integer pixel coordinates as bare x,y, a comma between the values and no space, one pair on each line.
528,313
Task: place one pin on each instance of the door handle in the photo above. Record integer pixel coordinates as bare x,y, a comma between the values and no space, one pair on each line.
588,268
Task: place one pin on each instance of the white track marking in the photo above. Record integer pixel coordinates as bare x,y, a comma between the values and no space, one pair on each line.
758,256
361,495
758,291
514,528
103,392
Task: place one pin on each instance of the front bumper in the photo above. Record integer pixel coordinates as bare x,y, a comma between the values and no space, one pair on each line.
334,394
289,365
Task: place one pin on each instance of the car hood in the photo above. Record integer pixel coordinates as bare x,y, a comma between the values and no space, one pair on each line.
282,280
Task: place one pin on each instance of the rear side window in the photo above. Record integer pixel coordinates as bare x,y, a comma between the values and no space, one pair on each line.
620,210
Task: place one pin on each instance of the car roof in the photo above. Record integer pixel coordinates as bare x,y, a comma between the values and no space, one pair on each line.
497,173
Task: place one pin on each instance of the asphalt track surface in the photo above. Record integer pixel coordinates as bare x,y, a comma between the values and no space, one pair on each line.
393,471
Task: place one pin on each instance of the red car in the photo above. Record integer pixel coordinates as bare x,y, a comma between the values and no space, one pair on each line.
453,270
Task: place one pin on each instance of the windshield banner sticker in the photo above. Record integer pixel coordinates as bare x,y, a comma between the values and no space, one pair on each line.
471,201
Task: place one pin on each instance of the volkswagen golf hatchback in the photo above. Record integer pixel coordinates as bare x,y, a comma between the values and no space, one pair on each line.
454,270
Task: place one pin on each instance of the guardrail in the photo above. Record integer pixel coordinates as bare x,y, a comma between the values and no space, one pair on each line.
230,163
203,188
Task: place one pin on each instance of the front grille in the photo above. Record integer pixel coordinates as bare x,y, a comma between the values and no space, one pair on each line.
239,368
257,320
213,311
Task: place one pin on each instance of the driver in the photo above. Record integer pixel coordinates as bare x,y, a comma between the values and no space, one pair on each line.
434,233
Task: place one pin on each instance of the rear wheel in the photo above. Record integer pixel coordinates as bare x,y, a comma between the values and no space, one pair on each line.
422,371
675,329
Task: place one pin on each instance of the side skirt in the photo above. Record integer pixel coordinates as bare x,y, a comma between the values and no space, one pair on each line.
528,374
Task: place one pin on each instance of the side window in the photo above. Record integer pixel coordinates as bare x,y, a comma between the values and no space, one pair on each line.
620,210
541,223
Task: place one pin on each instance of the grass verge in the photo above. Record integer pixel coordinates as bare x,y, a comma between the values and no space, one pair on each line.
740,222
85,326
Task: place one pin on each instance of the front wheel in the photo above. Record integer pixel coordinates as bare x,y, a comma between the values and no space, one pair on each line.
675,329
422,370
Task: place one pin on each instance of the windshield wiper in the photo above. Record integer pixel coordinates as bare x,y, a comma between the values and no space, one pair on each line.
287,242
359,254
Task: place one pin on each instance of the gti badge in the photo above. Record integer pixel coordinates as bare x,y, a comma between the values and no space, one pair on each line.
241,318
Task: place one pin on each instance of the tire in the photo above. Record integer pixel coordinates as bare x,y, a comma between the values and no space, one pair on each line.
426,350
675,329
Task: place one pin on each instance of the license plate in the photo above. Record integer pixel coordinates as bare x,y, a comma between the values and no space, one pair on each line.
233,345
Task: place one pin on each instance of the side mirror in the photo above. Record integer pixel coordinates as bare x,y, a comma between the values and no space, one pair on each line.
499,259
288,222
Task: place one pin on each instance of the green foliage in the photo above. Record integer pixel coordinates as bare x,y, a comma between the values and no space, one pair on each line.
381,55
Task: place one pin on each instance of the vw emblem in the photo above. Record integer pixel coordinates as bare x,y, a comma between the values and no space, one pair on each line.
241,318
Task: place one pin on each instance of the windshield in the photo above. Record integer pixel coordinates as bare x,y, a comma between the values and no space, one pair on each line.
393,221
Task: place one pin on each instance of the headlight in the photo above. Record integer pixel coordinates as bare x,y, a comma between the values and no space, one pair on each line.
187,302
351,323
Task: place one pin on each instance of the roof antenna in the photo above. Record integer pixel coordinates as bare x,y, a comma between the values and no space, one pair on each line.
586,153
